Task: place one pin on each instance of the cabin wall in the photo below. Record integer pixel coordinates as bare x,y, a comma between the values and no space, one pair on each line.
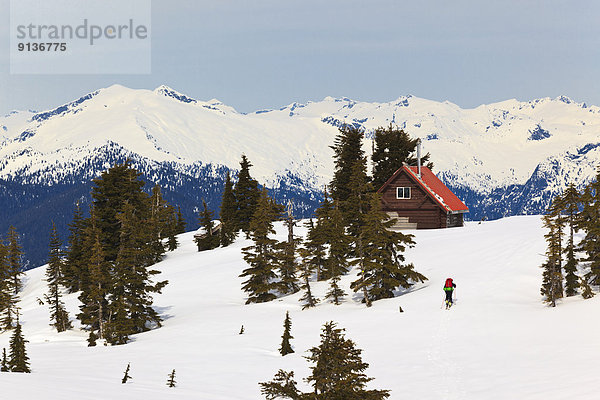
455,220
420,208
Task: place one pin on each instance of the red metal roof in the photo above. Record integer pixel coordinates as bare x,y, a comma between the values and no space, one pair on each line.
434,187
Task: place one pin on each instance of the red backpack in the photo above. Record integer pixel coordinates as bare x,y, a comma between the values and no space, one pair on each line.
448,283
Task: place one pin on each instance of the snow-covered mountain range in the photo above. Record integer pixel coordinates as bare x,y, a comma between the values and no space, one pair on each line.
502,159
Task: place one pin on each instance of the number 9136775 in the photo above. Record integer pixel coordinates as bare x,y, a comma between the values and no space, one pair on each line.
49,46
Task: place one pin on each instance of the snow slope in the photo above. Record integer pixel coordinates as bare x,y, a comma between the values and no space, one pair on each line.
498,342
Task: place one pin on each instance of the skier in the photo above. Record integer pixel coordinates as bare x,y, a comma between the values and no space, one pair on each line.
449,288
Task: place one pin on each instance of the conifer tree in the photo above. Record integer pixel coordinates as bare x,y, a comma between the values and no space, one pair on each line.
171,382
227,214
589,222
348,151
246,194
586,289
159,222
94,294
357,203
131,288
338,371
288,250
311,254
4,364
260,284
242,330
18,360
58,314
5,292
569,204
392,148
126,376
318,238
337,262
210,239
173,229
283,386
8,298
552,275
180,222
118,186
286,347
15,254
75,268
380,261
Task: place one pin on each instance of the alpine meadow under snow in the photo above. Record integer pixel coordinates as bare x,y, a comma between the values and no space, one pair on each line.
498,342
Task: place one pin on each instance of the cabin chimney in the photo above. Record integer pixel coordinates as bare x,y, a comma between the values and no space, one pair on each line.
419,158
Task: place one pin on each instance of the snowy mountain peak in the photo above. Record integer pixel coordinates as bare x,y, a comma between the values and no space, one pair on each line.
164,90
469,147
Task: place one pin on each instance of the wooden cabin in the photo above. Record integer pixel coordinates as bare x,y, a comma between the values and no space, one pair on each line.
419,200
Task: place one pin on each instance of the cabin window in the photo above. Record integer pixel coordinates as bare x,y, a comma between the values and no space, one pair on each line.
403,193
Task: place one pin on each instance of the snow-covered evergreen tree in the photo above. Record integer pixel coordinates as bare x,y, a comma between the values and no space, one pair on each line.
54,276
17,359
228,213
381,258
286,347
261,256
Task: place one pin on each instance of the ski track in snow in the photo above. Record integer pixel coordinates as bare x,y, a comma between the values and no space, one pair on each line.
449,374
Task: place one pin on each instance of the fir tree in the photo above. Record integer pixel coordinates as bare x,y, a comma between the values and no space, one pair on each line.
126,376
131,288
58,314
338,371
381,256
227,214
569,203
75,271
180,222
246,194
116,187
8,298
171,382
283,386
210,240
260,284
311,254
337,263
18,360
4,364
173,229
286,347
242,330
5,292
95,293
552,274
589,222
14,256
319,238
287,257
586,289
357,203
348,151
392,148
161,222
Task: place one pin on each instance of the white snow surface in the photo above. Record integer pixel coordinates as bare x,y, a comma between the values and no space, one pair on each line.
470,147
498,342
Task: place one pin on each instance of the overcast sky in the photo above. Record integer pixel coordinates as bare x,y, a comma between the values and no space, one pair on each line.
264,54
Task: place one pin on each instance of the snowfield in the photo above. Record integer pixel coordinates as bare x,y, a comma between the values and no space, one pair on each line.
498,342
